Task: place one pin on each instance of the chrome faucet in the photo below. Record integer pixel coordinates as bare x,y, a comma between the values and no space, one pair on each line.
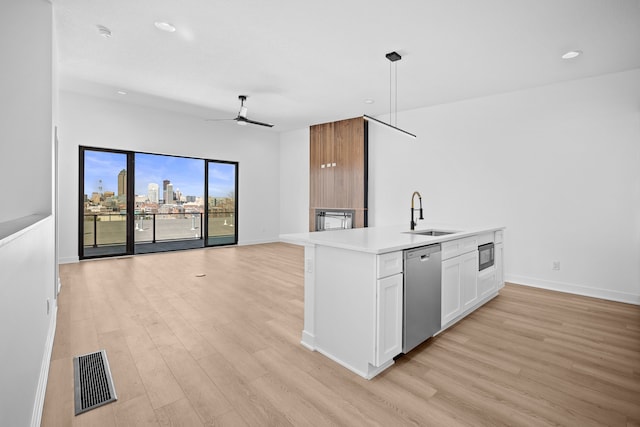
414,223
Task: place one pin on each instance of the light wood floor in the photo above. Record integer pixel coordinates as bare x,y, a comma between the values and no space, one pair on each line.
224,349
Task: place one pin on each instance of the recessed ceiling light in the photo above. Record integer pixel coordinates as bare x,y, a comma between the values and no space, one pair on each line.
164,26
121,92
572,54
104,31
369,101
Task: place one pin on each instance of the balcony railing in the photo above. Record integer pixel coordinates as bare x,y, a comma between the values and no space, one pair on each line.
162,227
105,229
108,229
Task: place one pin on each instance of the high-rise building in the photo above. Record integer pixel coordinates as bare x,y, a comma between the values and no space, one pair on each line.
152,192
164,190
122,183
168,195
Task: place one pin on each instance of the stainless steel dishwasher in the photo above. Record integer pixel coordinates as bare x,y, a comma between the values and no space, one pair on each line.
422,295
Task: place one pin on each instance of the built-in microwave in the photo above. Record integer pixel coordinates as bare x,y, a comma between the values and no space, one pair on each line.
486,254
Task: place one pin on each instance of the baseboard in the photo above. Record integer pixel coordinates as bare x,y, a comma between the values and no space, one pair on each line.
257,242
344,364
38,406
308,340
571,288
72,260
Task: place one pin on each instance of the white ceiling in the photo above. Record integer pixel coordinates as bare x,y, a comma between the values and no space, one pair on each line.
306,62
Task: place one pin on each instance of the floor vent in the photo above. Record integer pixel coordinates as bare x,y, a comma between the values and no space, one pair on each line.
92,381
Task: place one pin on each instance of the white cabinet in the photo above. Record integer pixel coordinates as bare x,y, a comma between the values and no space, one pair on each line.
389,318
459,246
389,264
389,293
487,281
451,292
459,285
469,279
499,263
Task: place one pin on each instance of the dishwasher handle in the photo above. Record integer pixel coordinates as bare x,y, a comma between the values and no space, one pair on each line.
422,253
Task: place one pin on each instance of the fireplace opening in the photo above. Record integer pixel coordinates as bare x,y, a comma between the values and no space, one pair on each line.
334,219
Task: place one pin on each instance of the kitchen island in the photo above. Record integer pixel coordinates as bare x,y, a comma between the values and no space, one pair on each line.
353,287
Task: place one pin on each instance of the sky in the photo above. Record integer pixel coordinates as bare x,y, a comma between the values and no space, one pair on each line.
185,174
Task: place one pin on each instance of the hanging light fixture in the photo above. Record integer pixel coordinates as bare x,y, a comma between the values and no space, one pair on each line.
393,58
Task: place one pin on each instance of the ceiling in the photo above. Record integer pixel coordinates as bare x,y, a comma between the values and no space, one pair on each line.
307,62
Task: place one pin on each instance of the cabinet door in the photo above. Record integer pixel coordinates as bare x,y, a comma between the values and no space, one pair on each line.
499,263
321,157
486,282
349,157
451,292
328,167
315,159
388,318
469,279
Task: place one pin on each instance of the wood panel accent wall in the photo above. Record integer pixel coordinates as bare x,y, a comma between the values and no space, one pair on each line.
338,168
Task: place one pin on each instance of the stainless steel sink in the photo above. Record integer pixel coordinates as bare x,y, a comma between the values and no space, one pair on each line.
431,232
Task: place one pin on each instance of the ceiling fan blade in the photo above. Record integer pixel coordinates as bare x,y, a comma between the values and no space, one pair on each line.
253,122
242,116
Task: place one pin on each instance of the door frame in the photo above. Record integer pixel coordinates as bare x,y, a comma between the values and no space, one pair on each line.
130,223
130,217
206,204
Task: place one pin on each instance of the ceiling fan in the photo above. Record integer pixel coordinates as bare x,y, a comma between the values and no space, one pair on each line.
242,116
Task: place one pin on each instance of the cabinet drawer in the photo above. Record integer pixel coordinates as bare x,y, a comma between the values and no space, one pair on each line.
459,247
389,264
487,283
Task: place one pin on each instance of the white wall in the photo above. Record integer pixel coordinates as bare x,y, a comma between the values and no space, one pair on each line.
294,181
558,165
27,242
27,327
99,122
25,113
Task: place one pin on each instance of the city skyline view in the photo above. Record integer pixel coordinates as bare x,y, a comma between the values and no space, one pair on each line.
185,174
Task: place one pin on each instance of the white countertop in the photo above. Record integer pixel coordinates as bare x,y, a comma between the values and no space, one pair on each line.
379,240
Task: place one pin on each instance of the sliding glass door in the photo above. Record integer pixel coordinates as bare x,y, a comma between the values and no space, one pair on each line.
135,203
222,203
105,228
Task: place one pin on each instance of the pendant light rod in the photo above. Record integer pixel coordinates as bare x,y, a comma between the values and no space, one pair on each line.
369,118
395,91
393,58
